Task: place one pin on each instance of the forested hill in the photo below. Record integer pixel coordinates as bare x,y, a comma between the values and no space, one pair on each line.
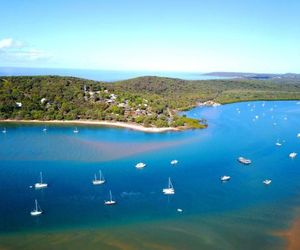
183,93
150,101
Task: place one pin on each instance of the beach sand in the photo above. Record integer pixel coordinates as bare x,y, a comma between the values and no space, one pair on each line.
132,126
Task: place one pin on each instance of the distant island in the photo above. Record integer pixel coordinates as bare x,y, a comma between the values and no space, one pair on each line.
288,76
145,102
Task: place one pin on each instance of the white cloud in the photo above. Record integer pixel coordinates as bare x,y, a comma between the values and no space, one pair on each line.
8,43
17,51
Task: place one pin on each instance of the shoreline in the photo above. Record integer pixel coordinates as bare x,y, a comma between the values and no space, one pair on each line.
131,126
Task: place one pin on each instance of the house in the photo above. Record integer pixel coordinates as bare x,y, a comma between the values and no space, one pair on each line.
43,100
19,104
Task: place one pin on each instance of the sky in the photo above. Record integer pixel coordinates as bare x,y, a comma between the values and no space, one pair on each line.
260,36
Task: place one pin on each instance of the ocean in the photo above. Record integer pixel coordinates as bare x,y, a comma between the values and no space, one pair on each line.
242,213
102,75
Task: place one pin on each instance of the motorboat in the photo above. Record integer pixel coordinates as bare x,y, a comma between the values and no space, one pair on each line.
174,162
244,160
140,165
225,178
267,182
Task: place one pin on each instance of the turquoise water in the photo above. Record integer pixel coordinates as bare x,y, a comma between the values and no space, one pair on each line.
229,211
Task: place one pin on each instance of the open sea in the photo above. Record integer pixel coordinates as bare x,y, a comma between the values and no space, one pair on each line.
242,213
102,75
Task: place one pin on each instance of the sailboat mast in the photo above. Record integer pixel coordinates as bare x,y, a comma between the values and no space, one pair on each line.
41,175
110,195
100,173
36,205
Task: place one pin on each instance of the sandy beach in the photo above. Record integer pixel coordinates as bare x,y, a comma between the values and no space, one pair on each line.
132,126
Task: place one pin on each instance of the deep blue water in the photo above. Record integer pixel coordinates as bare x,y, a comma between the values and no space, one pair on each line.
101,75
69,161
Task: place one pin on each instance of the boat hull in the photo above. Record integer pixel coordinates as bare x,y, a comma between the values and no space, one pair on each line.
40,185
98,182
35,213
110,203
244,161
168,191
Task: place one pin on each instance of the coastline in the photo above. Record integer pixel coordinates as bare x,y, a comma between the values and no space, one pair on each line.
132,126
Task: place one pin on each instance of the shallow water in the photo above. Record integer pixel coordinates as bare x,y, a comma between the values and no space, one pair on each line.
239,214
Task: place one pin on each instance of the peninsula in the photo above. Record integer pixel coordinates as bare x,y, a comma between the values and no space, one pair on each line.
149,103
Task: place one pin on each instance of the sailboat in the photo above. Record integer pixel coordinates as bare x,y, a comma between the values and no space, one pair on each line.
110,201
37,210
75,131
170,189
40,185
4,131
45,129
99,181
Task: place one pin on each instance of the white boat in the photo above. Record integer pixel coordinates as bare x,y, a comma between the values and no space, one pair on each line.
267,182
298,135
278,144
174,162
44,129
179,210
292,155
225,178
75,131
140,165
37,210
244,160
4,131
170,189
110,201
99,181
40,185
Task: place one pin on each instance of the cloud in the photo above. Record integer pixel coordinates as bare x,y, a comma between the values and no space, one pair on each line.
8,43
17,51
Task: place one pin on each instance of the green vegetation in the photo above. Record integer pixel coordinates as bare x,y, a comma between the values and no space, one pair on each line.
150,101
